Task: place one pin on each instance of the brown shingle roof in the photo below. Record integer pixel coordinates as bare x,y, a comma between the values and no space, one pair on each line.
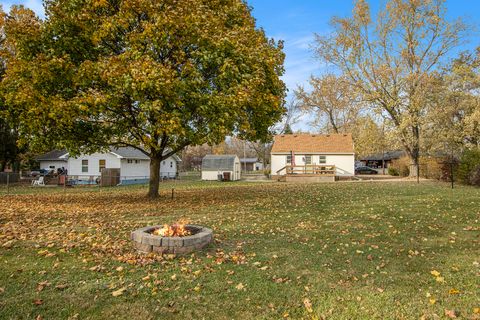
330,143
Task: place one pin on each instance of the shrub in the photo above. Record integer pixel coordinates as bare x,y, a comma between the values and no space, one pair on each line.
431,168
467,171
402,166
392,171
475,177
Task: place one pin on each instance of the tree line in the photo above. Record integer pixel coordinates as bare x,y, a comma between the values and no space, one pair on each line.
398,80
153,75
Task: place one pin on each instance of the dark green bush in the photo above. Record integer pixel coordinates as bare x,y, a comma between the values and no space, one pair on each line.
393,172
469,167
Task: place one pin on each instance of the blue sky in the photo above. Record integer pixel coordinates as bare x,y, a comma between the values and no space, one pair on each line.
295,22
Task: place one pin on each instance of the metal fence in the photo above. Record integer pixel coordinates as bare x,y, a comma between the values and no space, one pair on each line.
10,180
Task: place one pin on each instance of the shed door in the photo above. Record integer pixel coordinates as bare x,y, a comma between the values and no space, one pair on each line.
237,171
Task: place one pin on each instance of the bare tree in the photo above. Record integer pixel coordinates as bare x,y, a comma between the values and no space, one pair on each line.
333,101
390,61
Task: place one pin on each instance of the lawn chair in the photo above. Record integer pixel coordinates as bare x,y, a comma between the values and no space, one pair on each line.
39,182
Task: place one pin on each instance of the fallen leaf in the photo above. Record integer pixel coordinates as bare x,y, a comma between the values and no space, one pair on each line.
240,286
38,302
308,305
119,292
453,291
451,313
435,273
61,286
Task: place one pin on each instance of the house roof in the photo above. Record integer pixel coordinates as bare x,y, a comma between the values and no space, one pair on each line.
248,160
129,153
313,143
388,155
53,155
218,162
121,152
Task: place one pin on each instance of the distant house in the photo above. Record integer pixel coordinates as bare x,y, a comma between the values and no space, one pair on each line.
376,160
220,167
134,165
312,157
251,164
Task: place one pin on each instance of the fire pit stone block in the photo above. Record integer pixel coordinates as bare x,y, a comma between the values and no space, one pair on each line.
145,241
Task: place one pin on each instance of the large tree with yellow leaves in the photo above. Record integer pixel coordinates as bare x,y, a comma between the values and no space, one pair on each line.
154,75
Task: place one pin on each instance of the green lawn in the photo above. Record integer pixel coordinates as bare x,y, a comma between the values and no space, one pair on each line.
332,250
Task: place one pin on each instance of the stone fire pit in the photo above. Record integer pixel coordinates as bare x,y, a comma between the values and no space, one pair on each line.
145,241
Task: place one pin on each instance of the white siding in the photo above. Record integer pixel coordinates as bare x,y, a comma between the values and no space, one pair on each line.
210,175
45,164
168,168
277,162
345,163
75,164
136,169
213,175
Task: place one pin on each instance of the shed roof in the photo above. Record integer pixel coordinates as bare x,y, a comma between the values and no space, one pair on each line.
313,143
214,162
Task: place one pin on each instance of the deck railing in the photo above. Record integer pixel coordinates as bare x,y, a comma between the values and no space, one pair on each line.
308,169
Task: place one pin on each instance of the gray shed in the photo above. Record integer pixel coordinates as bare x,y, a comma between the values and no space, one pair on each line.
226,165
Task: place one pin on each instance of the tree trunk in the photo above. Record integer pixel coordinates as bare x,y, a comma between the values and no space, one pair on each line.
415,153
415,162
414,168
154,177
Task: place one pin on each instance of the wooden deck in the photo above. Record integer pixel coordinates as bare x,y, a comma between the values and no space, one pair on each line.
307,173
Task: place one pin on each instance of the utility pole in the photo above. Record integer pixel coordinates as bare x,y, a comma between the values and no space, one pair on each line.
383,146
245,156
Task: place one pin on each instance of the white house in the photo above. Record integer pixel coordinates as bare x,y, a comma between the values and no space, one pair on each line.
225,166
134,165
314,157
251,164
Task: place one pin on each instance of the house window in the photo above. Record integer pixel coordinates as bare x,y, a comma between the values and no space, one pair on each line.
136,161
129,161
308,159
52,167
171,164
289,159
322,159
163,162
101,164
84,165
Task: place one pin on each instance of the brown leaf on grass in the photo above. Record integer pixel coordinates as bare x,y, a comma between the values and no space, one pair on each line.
308,305
452,313
42,285
37,302
119,292
61,286
240,286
